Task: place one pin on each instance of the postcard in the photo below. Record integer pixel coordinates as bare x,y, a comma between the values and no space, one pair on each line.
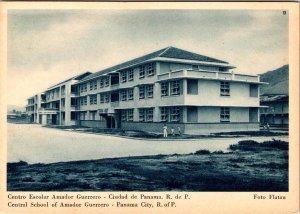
149,107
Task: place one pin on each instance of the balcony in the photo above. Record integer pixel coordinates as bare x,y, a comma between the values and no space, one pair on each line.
115,104
201,74
74,108
48,110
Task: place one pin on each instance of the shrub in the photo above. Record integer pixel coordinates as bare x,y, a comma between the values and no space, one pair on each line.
202,152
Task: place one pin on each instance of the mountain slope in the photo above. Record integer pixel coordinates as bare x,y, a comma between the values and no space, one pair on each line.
278,81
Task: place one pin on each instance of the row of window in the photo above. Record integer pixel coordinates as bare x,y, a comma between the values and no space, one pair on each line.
167,89
127,75
146,91
146,114
146,70
225,114
103,82
170,88
167,114
171,114
127,115
126,94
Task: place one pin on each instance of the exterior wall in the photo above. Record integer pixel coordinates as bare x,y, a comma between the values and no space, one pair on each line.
219,127
166,67
193,128
93,123
200,111
151,127
212,114
276,114
209,95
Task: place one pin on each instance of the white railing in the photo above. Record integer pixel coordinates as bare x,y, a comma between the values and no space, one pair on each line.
208,75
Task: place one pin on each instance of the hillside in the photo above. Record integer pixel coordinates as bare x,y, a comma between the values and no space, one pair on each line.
278,81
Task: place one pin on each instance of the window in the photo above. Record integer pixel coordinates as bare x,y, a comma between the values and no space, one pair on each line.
83,88
106,97
253,90
142,71
130,75
164,89
101,82
149,114
73,115
225,114
63,90
224,88
223,69
93,115
195,67
93,99
124,95
130,115
93,85
62,102
141,114
130,94
150,69
164,114
175,88
192,86
175,114
82,115
142,92
83,101
102,98
127,115
145,114
123,76
106,81
124,115
149,91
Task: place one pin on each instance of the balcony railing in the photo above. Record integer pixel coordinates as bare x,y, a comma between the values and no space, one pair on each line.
115,104
208,75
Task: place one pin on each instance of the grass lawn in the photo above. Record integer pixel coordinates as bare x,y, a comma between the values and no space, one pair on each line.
249,166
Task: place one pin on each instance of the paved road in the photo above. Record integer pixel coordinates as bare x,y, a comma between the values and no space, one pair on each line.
36,144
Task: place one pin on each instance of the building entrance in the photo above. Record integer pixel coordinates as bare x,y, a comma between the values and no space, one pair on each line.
54,118
110,122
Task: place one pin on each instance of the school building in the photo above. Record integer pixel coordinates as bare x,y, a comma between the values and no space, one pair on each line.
170,86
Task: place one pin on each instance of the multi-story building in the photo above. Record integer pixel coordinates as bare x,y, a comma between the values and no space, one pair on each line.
276,112
34,103
57,105
171,86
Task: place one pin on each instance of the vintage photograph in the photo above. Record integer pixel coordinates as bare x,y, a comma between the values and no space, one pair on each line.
148,100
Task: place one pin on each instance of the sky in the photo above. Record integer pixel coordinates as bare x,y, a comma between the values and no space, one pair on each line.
49,46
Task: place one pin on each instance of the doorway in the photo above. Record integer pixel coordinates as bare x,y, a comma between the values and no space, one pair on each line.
53,121
110,122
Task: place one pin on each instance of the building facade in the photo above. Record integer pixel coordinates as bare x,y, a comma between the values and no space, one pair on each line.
171,86
276,111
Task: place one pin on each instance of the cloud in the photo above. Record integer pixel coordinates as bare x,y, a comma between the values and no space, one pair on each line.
48,46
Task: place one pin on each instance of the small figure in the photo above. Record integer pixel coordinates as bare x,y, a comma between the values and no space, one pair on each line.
172,131
268,127
179,130
165,129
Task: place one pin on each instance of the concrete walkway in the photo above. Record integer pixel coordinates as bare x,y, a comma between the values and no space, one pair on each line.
34,144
